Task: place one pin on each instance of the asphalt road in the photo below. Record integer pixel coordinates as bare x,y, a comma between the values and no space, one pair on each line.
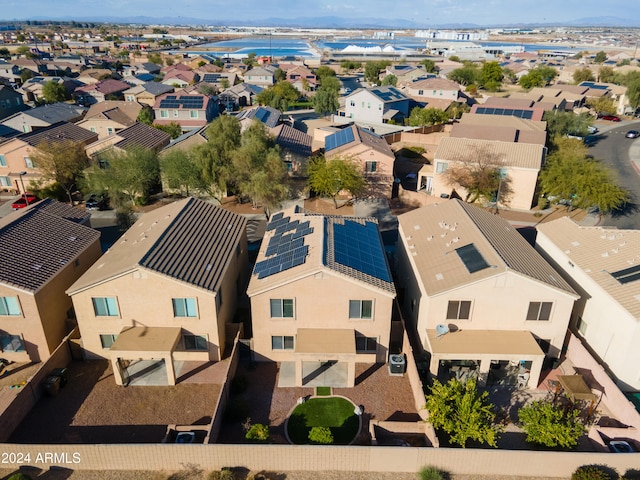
612,148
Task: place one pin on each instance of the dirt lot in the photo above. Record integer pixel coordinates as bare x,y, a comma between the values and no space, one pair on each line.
91,408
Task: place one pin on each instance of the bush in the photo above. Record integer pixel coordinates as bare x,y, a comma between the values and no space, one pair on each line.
239,384
258,432
224,474
594,472
321,435
19,476
430,473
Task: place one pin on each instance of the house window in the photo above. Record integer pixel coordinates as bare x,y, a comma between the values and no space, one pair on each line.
184,307
441,167
5,181
371,167
28,162
289,166
362,105
164,114
193,114
194,342
107,340
361,309
582,326
109,131
175,113
458,310
131,98
9,306
368,104
105,306
92,129
3,161
366,344
281,308
353,104
281,342
420,92
539,311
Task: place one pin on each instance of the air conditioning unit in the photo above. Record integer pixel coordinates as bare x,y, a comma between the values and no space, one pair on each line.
397,364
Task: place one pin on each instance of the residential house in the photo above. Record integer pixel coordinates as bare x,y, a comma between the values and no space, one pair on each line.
189,111
477,294
218,80
263,76
92,76
239,96
500,127
406,74
16,165
512,107
31,90
135,135
10,102
435,89
519,163
147,93
295,147
109,117
143,67
602,264
10,71
376,105
268,116
193,256
321,296
140,79
44,116
302,78
180,78
370,151
108,89
44,248
187,140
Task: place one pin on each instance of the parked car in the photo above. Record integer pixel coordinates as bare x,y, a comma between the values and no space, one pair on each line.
620,446
611,118
633,134
24,200
95,202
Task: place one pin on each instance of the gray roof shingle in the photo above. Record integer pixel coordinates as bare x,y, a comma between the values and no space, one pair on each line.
59,132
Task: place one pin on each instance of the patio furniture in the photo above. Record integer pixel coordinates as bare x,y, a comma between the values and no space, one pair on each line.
577,390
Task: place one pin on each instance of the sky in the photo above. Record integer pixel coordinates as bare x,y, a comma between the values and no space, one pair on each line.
428,12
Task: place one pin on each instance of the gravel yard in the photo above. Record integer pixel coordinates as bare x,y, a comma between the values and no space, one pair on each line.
91,408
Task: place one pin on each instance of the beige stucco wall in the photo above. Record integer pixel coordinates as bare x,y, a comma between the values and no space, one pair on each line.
44,314
320,301
101,127
14,152
611,331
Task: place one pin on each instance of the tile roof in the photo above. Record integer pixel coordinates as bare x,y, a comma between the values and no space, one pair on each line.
39,241
437,83
388,93
292,139
190,240
105,87
56,112
142,135
434,232
361,136
503,121
348,247
267,115
130,109
63,210
509,154
59,132
599,252
157,88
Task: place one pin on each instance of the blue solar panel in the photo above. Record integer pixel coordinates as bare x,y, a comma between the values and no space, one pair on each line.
512,112
359,246
472,258
339,139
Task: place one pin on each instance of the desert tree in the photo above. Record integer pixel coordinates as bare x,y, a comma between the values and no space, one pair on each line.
330,177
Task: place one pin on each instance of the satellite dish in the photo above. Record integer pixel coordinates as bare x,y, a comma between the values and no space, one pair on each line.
441,329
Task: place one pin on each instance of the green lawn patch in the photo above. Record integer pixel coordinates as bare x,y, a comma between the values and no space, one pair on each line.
323,391
333,412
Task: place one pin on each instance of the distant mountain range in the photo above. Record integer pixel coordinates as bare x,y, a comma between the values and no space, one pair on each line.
345,23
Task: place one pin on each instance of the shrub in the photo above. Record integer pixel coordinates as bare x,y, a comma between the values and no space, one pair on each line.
321,435
258,432
430,473
594,472
224,474
19,476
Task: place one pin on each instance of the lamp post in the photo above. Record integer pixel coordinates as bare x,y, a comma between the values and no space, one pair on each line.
24,192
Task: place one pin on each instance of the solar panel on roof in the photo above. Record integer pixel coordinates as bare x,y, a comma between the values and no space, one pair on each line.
277,216
627,275
358,246
339,139
472,258
513,112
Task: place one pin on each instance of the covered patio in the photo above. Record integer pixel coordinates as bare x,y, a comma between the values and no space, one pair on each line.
488,349
325,357
145,354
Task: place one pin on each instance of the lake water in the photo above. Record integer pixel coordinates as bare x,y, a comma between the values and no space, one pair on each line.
279,47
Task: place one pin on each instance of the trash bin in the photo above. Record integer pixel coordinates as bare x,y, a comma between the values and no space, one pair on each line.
51,385
62,373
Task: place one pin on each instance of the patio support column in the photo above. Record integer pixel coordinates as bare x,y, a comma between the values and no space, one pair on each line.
115,368
434,365
298,363
483,372
171,373
351,373
536,370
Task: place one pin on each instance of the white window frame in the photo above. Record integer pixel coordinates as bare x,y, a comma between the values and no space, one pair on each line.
3,160
106,338
28,162
10,307
109,303
277,307
463,307
282,342
5,181
164,114
194,114
441,167
543,309
371,166
185,307
367,344
359,305
197,342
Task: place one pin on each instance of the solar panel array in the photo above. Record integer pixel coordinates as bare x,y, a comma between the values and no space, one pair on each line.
286,248
184,101
472,258
211,77
506,112
389,94
339,139
262,114
359,246
627,275
593,85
